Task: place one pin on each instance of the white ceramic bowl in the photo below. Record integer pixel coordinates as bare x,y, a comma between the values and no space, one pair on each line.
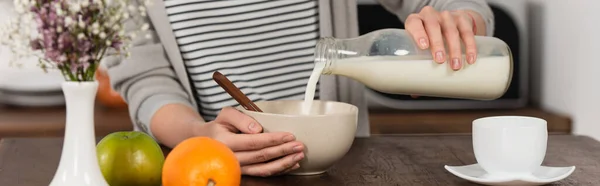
328,133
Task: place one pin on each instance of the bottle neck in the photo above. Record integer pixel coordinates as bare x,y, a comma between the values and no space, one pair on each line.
326,53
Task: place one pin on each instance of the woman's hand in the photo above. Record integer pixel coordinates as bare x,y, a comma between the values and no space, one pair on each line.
429,28
259,154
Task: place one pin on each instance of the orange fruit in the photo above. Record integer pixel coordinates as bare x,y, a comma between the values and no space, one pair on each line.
201,161
106,94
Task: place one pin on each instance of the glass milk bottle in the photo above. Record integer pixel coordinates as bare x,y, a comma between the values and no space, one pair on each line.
389,61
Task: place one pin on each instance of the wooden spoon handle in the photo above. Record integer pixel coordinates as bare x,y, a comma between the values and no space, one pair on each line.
235,92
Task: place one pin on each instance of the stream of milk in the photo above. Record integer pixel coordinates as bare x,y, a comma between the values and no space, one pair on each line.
311,86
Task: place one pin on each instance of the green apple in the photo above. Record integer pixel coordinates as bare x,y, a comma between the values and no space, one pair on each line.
130,158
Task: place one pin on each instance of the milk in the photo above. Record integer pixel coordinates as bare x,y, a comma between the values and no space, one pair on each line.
311,86
486,79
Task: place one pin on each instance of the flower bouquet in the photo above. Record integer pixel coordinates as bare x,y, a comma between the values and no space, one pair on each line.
73,36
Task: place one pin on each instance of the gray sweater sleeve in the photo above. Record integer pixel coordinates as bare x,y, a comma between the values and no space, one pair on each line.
403,8
146,80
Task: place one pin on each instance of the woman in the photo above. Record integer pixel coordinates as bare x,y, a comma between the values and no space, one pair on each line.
266,48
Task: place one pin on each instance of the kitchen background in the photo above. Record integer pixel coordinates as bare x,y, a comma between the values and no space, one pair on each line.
556,43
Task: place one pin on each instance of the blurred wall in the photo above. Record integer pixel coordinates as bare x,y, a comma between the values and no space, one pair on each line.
565,38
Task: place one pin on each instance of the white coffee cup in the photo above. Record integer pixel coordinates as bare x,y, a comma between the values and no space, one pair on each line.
509,145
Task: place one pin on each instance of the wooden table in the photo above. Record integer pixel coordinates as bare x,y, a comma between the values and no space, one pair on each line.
378,160
50,122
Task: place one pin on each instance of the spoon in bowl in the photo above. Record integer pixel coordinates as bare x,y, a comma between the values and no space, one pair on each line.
235,92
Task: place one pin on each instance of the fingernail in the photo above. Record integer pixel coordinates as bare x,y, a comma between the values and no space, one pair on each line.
298,148
252,126
439,56
456,64
299,157
423,42
289,138
296,166
471,59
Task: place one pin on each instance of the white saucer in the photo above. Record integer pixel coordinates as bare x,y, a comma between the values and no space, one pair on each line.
542,175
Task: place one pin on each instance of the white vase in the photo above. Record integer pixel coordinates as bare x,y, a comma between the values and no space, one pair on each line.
78,162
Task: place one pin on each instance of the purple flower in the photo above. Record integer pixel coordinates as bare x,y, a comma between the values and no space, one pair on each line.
49,36
70,48
39,20
48,42
82,63
85,65
64,41
74,67
84,58
35,44
52,17
53,55
60,22
51,6
44,9
116,43
84,45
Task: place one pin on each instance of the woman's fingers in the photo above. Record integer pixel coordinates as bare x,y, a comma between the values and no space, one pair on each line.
444,34
452,36
414,26
431,20
274,167
290,169
239,120
266,154
247,142
465,27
